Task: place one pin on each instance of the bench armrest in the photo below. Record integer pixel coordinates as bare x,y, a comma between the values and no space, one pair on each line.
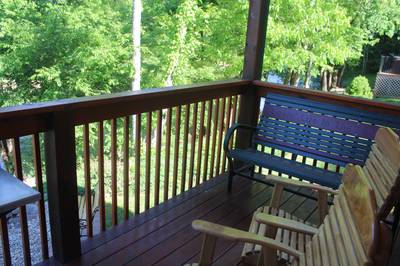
233,234
301,184
230,132
285,223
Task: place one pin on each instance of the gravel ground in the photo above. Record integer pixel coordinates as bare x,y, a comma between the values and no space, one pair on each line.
14,232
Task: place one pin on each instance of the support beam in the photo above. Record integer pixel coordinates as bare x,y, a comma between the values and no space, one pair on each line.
255,39
253,62
62,188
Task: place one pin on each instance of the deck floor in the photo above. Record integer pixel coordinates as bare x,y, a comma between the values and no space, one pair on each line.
163,235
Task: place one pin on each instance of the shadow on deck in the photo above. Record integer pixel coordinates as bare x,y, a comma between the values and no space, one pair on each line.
163,235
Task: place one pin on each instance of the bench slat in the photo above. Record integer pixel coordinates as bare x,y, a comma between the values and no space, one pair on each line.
335,110
330,136
331,123
314,144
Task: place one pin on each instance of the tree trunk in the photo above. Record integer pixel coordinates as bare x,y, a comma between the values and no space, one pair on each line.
307,78
324,81
136,29
334,77
287,78
340,75
136,56
365,60
294,79
4,155
182,32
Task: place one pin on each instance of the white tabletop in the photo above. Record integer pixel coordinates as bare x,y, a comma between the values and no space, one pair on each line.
14,193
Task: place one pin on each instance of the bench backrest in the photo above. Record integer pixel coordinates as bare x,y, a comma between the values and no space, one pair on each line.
349,234
382,170
323,131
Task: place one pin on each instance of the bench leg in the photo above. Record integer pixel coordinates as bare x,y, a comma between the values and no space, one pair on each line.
230,175
252,170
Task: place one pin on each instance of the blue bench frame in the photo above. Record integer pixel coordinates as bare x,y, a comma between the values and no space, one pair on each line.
331,133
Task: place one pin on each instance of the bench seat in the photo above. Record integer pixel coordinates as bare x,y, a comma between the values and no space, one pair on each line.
290,167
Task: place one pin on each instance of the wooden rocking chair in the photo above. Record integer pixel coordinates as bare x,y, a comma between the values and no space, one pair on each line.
351,233
382,172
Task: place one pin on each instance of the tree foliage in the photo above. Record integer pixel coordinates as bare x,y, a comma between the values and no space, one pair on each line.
52,51
62,49
301,31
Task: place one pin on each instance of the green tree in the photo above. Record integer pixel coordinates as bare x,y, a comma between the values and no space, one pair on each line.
360,87
306,37
52,51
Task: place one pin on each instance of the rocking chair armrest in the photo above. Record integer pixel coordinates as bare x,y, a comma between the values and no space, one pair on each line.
232,130
284,223
301,184
233,234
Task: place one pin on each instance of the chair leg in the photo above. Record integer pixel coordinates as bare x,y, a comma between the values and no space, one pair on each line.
230,175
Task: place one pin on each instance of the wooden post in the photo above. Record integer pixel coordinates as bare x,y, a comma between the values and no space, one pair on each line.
253,61
62,188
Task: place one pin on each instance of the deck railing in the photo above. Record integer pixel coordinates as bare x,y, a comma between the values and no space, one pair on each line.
134,150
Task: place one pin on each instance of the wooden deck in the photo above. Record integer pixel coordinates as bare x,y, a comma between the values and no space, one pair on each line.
163,235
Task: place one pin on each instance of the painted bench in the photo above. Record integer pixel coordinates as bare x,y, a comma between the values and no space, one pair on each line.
328,133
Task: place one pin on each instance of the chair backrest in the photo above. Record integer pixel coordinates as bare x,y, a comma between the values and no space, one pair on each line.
323,131
382,170
349,233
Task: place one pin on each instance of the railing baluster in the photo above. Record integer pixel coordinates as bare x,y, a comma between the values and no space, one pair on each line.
227,124
208,132
88,192
193,144
220,132
148,154
126,167
138,124
22,210
214,137
37,162
158,158
167,153
5,241
185,144
114,171
200,146
234,117
176,150
100,170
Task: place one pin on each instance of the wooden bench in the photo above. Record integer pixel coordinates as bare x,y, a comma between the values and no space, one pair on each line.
333,135
350,235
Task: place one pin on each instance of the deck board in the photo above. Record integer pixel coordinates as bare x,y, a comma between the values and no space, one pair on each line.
163,235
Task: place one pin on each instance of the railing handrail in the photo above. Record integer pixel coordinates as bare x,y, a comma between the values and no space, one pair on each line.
361,103
33,118
120,97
